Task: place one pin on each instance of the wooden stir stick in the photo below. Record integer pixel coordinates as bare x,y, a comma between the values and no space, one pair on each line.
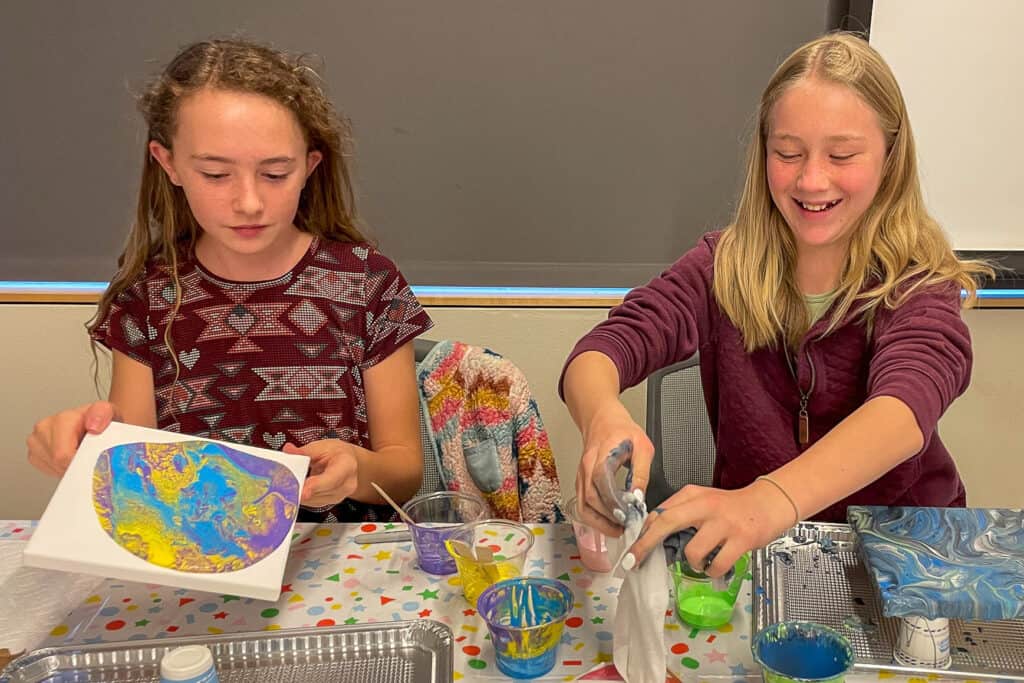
401,513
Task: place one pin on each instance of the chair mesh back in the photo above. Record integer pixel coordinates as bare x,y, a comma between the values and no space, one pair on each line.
677,422
431,476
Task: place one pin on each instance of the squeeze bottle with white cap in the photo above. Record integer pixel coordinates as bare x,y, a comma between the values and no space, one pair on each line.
188,664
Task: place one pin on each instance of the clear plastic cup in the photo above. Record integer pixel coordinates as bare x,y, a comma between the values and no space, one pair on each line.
525,617
702,601
436,516
589,541
802,652
488,551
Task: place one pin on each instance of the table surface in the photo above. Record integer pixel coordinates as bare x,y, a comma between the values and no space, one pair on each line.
332,580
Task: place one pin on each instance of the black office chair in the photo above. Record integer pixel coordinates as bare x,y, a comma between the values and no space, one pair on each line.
431,475
677,423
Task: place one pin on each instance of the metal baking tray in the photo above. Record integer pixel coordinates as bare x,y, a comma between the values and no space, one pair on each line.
401,651
815,573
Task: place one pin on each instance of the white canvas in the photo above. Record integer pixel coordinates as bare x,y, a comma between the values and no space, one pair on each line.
70,538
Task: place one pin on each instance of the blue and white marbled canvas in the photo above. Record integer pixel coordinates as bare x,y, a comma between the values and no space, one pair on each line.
944,562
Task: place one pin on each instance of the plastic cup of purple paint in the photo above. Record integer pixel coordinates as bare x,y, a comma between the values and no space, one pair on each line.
436,516
802,652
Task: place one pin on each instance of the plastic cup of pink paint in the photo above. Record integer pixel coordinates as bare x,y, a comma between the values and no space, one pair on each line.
589,541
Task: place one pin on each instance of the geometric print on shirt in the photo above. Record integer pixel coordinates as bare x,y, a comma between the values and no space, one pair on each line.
266,363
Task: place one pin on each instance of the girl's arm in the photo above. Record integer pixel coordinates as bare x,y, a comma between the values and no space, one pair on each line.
393,414
340,470
872,440
921,362
882,433
591,389
132,391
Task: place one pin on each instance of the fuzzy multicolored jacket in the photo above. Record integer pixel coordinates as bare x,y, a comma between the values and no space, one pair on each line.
488,432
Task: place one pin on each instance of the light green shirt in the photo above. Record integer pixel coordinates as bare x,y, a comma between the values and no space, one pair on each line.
817,304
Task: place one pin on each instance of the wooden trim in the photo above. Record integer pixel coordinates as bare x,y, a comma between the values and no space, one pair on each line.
1017,302
27,296
520,301
54,296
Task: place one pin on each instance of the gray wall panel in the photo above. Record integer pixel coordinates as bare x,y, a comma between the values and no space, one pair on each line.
574,142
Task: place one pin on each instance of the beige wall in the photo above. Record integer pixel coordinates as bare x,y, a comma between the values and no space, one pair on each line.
46,366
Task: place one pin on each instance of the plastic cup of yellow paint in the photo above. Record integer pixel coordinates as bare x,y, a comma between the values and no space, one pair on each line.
525,617
488,551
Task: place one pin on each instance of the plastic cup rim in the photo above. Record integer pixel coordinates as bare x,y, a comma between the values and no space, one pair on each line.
467,526
458,495
564,590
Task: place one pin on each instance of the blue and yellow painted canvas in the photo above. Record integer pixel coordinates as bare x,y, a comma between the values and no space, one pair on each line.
194,506
963,563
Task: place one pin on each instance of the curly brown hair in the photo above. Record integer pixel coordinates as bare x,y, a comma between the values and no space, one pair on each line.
164,228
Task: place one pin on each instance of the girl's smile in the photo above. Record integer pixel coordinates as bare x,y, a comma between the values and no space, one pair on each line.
825,153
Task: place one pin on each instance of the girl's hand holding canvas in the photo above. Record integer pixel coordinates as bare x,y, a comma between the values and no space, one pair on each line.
158,507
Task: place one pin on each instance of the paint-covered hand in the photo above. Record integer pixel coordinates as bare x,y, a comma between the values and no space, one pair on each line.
733,521
333,471
54,440
613,438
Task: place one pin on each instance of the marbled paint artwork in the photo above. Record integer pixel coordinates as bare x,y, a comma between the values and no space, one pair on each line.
944,562
194,506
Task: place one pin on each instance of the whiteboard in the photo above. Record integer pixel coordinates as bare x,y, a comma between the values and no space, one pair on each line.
961,68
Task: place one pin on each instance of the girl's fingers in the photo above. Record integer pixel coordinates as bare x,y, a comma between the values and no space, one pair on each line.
594,504
725,559
709,536
667,522
99,415
66,432
610,457
333,479
38,458
594,519
643,454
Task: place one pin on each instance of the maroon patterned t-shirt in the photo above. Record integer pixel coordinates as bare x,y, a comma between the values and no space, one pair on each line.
264,363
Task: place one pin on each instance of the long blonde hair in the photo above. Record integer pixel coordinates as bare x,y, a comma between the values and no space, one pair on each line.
897,247
165,229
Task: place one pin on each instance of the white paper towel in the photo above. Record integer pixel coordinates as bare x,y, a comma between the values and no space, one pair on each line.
639,635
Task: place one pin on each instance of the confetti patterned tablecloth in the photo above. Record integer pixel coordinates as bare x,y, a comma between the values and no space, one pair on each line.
16,530
332,580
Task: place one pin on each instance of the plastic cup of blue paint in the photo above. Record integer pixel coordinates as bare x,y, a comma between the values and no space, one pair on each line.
436,516
802,652
525,617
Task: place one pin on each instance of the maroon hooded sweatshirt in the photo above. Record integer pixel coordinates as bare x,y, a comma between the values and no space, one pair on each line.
919,353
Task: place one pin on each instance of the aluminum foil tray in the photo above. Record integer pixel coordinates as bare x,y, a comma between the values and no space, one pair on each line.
815,573
401,651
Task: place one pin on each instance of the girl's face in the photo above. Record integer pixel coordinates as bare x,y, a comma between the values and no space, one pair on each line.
825,152
242,161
